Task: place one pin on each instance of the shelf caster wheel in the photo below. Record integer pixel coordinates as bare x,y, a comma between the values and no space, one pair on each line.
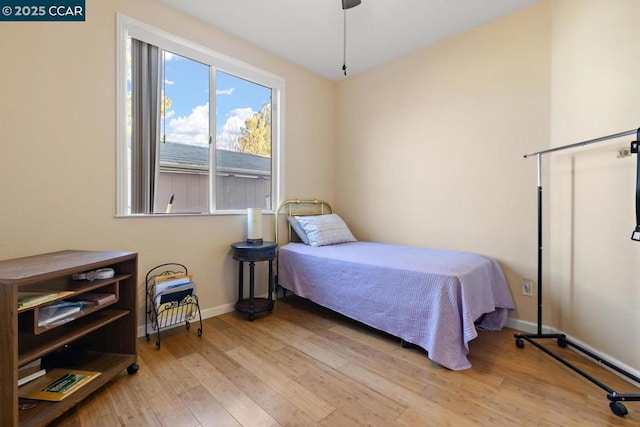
148,337
133,369
618,408
562,342
188,325
157,345
519,343
199,332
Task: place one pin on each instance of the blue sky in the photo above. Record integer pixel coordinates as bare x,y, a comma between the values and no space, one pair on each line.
186,83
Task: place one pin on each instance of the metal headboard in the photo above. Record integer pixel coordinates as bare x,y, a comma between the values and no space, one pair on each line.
300,207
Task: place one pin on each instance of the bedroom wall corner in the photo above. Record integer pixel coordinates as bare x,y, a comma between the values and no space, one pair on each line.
430,145
594,287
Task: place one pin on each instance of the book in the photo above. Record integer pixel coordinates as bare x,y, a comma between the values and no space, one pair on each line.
164,283
57,384
57,312
176,294
172,312
29,371
29,368
29,299
33,376
95,298
163,277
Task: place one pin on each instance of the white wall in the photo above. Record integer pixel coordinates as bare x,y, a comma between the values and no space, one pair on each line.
430,152
430,146
58,150
594,287
424,150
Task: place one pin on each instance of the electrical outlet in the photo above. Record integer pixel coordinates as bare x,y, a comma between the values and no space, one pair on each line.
526,287
623,152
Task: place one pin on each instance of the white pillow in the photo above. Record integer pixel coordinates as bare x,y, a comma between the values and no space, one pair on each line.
295,225
324,230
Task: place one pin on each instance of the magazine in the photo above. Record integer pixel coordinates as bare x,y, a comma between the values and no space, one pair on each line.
57,384
29,299
57,312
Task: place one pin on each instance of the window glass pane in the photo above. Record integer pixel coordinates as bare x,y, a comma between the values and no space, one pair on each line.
184,136
171,142
243,143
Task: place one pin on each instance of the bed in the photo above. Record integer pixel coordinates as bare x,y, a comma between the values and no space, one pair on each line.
435,299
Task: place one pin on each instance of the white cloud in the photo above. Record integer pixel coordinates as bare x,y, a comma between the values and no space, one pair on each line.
192,129
168,56
169,82
231,130
225,91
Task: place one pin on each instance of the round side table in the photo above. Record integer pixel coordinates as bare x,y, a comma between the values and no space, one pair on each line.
253,252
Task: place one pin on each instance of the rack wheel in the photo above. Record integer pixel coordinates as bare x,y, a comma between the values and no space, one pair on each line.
147,337
158,345
562,342
519,343
618,408
199,332
133,369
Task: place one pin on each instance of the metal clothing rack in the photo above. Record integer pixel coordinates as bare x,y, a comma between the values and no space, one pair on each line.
614,397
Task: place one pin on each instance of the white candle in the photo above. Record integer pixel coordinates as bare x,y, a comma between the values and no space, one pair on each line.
254,224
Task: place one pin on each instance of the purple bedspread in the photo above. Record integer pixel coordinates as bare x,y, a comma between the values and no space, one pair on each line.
427,297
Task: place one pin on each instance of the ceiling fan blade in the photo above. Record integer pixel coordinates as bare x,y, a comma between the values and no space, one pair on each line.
348,4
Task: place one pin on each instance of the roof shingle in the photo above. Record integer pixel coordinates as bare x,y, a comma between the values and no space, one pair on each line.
196,156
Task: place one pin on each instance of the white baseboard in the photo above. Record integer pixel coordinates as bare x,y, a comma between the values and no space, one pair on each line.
209,312
520,325
532,328
528,327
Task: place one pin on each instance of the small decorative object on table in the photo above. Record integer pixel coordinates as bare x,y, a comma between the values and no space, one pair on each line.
254,225
171,299
253,252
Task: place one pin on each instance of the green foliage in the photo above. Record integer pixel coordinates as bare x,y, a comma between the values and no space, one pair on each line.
164,106
256,135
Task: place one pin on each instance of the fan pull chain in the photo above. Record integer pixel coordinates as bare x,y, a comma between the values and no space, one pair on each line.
344,48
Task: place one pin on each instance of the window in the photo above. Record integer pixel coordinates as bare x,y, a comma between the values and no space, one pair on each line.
198,132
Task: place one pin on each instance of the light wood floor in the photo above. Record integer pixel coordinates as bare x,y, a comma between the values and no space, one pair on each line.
305,366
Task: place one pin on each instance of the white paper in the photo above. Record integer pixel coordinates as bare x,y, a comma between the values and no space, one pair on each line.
59,311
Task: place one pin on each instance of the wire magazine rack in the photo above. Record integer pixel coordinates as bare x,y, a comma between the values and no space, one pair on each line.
172,306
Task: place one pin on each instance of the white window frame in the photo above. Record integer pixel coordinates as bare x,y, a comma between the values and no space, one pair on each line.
129,27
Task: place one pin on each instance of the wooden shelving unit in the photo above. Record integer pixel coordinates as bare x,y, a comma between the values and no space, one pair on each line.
97,338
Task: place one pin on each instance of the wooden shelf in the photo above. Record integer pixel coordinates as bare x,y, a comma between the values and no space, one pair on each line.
28,320
30,348
97,338
109,364
77,287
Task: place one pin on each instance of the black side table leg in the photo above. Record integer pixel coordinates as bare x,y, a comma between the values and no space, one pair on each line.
251,288
240,281
270,286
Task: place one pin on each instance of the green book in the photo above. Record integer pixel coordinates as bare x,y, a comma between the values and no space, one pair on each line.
56,384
